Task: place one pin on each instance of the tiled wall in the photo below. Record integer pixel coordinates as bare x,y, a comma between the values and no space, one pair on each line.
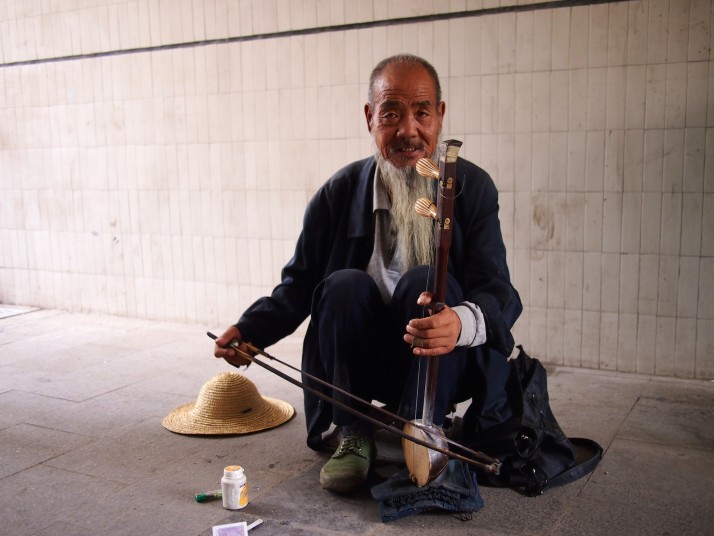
145,179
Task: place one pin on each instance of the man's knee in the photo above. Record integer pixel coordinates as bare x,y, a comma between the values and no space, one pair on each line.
349,286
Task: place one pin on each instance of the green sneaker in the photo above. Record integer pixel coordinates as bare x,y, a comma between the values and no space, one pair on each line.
348,468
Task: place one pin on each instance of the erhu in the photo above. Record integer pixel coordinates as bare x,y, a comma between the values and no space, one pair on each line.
425,463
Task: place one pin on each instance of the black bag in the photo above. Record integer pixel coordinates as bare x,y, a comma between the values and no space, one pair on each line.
534,452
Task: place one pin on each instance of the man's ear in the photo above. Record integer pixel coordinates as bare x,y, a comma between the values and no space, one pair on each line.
368,115
442,110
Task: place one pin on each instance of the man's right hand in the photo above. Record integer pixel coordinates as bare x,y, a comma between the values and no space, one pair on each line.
224,351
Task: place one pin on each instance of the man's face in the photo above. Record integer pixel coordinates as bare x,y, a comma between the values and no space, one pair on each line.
405,118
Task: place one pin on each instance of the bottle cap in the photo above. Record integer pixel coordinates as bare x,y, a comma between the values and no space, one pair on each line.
233,470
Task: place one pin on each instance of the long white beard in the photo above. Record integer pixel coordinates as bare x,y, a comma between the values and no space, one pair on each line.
415,238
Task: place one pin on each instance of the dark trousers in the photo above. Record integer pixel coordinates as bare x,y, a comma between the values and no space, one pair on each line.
363,352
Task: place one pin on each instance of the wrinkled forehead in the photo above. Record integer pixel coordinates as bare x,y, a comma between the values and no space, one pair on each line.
410,85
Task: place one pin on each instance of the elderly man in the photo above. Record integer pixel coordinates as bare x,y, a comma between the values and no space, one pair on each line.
360,271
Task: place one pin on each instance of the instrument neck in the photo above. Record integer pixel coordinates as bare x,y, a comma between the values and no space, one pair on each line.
442,240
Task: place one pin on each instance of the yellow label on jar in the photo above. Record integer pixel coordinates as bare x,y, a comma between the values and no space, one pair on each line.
243,500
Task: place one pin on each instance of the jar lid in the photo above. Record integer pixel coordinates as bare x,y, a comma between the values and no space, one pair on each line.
233,470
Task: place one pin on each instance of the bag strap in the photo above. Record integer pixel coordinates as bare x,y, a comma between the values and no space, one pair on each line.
589,454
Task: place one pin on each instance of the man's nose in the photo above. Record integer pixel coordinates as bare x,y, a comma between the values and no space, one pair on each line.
408,127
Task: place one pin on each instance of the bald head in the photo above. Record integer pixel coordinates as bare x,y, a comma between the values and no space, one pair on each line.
402,61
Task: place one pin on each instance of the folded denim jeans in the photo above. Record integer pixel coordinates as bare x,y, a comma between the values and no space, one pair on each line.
455,490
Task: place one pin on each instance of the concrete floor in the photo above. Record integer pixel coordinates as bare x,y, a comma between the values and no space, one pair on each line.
82,449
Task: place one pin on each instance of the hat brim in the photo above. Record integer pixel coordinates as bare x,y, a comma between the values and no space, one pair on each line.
270,414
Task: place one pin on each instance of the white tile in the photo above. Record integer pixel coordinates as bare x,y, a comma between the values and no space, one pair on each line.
610,286
522,220
633,160
651,223
559,94
699,30
705,341
592,281
655,96
597,99
706,289
573,337
506,158
657,27
472,46
456,101
667,285
665,346
489,103
555,335
692,207
646,343
707,225
540,165
648,284
609,333
653,160
612,222
696,94
678,31
694,152
524,42
558,161
573,271
595,161
676,95
591,339
542,40
687,287
628,281
593,222
671,222
709,162
631,222
635,92
617,37
538,280
560,54
579,37
575,222
523,112
598,36
614,160
616,89
627,342
506,97
576,161
537,340
685,348
506,26
556,279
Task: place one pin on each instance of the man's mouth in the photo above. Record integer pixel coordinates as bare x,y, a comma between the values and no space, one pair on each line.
407,151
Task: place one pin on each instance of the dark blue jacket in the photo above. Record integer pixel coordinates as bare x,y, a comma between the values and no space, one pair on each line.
338,233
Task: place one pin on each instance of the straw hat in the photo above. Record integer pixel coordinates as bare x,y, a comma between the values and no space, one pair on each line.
228,404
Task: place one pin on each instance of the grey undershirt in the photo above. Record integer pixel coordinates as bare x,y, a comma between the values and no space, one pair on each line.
384,267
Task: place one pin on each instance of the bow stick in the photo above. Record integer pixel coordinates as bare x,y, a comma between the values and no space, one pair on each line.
492,466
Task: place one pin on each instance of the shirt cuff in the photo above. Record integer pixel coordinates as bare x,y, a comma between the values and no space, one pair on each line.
473,324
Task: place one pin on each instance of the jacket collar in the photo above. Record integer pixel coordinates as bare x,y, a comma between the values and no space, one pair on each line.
361,221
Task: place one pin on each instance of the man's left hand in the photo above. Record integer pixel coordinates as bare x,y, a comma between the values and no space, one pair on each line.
436,334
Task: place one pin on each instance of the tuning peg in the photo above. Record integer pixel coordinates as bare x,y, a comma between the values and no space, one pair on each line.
424,207
427,168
